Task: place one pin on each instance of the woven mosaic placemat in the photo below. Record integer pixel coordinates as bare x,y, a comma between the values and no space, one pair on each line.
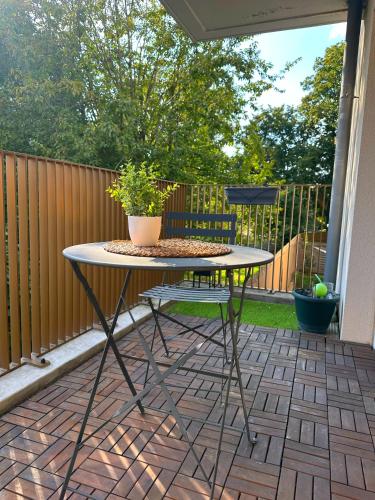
173,247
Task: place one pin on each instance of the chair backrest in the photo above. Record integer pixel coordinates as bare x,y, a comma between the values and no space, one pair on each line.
173,230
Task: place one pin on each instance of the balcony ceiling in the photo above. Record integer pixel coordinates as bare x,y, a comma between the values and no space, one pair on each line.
212,19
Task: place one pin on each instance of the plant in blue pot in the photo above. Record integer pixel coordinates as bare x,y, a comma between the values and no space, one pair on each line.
315,306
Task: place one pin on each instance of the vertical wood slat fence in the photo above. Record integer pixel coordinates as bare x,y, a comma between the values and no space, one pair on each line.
45,206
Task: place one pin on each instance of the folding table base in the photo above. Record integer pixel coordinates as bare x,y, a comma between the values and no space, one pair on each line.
159,377
136,397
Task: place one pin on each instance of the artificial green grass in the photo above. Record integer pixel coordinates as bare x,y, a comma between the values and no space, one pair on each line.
254,312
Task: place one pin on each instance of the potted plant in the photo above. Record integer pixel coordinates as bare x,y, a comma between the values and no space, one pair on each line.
142,200
315,306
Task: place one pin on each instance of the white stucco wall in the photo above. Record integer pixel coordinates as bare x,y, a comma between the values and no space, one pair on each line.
356,274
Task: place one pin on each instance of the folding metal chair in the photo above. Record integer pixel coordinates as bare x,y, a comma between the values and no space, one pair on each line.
180,224
214,295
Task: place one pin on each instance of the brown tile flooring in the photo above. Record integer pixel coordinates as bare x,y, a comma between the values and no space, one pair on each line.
312,404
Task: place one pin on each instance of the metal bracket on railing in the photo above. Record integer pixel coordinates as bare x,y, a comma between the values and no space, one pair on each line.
35,361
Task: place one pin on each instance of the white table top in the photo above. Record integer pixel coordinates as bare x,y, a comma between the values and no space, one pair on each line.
240,257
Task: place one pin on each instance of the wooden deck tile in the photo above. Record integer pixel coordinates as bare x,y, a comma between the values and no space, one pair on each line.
43,478
126,484
29,489
9,495
17,455
10,473
94,480
287,484
311,399
345,491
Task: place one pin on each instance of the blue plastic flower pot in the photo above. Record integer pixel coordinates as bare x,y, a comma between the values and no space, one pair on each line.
314,314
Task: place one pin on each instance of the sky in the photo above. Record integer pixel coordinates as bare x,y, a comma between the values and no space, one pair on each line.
285,46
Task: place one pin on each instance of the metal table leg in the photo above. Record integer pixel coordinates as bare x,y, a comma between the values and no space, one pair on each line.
109,330
234,330
251,437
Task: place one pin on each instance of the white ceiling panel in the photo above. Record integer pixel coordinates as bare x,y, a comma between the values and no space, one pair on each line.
210,19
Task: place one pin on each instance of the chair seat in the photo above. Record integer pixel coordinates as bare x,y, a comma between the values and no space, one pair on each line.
181,294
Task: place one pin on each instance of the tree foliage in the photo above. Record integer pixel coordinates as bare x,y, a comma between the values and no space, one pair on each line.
300,140
110,81
106,82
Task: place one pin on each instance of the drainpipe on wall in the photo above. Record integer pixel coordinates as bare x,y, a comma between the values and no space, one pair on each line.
343,138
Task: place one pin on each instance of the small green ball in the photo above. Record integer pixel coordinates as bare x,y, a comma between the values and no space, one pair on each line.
321,290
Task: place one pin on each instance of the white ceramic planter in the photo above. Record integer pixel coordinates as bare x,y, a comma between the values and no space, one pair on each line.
144,231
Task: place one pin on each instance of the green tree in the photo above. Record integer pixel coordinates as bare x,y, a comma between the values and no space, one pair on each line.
300,140
251,164
110,81
41,101
319,107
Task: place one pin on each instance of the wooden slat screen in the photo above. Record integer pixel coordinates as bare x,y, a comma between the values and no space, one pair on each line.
45,206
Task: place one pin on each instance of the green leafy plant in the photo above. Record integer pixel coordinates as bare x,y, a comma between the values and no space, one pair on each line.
137,190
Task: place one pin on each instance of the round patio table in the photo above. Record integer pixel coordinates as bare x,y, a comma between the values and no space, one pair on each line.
240,257
94,254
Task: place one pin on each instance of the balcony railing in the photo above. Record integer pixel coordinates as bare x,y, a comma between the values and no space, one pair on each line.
47,205
293,229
